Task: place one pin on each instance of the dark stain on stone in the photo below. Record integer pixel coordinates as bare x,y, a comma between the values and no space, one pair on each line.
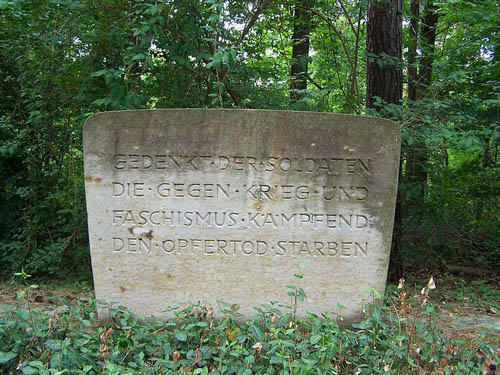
90,179
258,206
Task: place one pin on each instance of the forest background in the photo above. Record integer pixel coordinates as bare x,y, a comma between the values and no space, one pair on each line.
63,60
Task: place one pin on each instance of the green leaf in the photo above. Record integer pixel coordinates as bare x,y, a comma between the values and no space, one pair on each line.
249,360
99,73
53,344
181,336
7,356
315,339
302,295
213,17
28,370
257,332
21,294
275,360
140,56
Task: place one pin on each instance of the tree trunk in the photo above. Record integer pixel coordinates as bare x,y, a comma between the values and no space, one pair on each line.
300,51
384,48
385,80
427,45
415,166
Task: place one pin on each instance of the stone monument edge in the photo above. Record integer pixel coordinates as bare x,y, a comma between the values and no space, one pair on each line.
109,118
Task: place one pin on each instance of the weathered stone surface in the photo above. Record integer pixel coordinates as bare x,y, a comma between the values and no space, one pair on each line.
206,205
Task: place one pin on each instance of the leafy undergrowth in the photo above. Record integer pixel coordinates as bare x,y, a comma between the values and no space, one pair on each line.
193,341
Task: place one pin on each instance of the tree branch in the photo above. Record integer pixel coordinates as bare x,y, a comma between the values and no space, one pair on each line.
260,7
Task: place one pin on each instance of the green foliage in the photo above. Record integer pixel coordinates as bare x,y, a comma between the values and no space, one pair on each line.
193,341
61,61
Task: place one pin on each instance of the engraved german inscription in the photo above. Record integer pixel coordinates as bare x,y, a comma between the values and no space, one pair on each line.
276,164
241,247
229,219
253,191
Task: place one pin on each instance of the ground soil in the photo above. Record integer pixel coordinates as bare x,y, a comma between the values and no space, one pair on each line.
45,296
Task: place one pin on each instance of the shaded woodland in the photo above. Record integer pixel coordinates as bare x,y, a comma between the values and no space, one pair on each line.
431,66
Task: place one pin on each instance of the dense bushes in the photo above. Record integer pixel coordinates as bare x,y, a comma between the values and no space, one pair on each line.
61,61
194,342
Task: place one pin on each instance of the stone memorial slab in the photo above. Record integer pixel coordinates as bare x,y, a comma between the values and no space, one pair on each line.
193,205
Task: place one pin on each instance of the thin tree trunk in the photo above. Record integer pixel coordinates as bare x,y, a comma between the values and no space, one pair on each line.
428,41
414,166
417,159
300,51
412,50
